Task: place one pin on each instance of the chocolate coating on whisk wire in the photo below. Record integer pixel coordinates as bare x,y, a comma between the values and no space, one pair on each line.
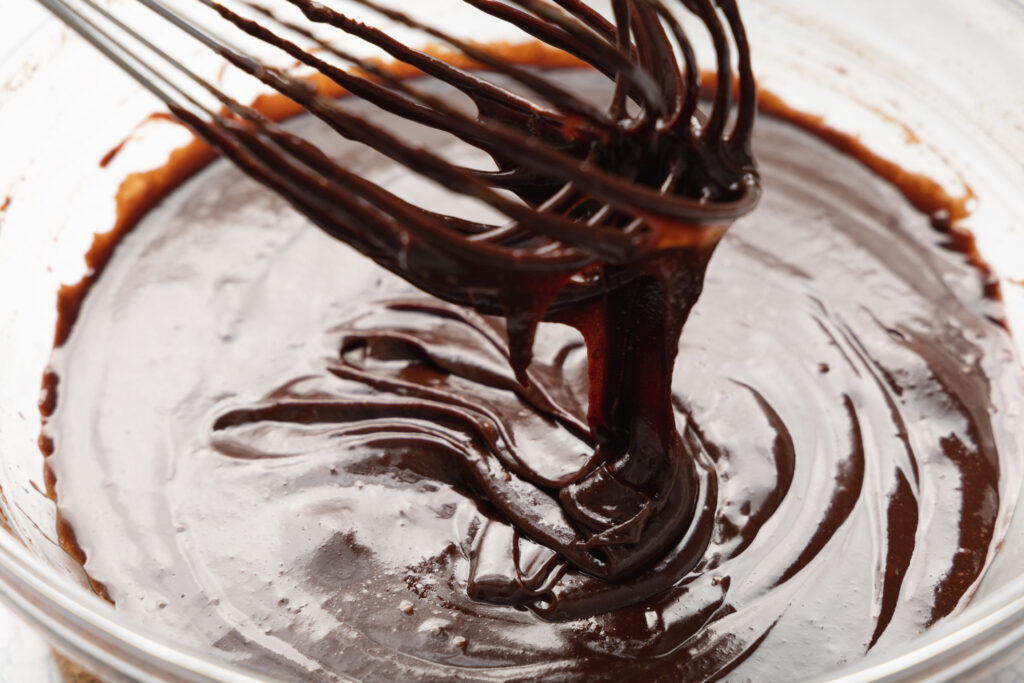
616,214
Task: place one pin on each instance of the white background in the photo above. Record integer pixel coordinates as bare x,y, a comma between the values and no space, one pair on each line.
24,657
18,18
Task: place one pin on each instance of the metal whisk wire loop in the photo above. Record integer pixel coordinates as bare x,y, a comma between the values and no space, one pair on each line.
577,186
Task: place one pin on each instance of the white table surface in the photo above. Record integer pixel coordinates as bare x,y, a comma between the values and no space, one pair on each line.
24,657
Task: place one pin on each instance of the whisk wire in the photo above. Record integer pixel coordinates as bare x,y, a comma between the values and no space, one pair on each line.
567,211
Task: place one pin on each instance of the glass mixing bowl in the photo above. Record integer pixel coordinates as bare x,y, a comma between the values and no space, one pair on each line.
932,84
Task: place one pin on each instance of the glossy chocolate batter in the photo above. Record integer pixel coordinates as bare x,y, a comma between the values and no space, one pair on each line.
257,437
612,214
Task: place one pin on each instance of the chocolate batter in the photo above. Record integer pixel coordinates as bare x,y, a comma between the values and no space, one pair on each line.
258,440
618,214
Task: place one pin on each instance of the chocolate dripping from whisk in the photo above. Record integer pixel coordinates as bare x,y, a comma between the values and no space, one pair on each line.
615,244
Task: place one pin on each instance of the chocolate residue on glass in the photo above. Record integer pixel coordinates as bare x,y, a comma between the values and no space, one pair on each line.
267,444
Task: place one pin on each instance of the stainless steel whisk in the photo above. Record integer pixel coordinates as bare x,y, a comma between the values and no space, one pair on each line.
594,189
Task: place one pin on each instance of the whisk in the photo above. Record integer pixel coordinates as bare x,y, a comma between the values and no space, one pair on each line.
596,186
609,212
